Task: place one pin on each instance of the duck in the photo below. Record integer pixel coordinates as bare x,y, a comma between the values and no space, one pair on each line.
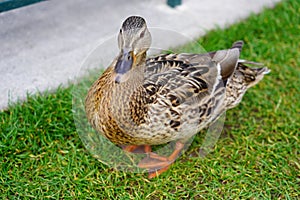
140,101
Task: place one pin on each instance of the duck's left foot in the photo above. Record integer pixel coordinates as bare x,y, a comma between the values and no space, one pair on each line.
157,164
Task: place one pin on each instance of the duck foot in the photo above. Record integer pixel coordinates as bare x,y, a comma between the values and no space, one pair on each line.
157,164
137,148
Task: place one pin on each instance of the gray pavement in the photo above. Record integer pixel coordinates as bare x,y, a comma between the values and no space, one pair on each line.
44,45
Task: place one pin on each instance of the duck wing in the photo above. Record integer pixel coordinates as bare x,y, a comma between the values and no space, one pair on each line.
182,76
178,77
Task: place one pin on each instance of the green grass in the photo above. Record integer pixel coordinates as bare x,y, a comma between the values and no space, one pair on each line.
256,157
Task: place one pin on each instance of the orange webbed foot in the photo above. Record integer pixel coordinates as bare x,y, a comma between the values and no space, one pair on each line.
156,164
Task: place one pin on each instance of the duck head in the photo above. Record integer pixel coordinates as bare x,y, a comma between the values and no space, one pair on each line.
134,40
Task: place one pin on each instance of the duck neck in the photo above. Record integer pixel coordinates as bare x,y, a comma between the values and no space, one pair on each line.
120,94
136,75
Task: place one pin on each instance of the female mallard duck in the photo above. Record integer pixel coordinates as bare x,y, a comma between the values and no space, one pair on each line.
140,101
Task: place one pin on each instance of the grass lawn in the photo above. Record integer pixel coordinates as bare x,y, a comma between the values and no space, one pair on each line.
257,155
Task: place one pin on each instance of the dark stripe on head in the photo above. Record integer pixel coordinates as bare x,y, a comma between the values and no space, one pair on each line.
133,22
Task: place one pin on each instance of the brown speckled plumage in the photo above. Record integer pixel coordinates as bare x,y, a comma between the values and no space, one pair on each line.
170,97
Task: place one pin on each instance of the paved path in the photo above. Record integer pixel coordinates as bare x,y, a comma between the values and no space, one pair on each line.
43,45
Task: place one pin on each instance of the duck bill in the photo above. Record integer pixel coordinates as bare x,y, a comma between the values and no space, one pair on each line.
123,65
